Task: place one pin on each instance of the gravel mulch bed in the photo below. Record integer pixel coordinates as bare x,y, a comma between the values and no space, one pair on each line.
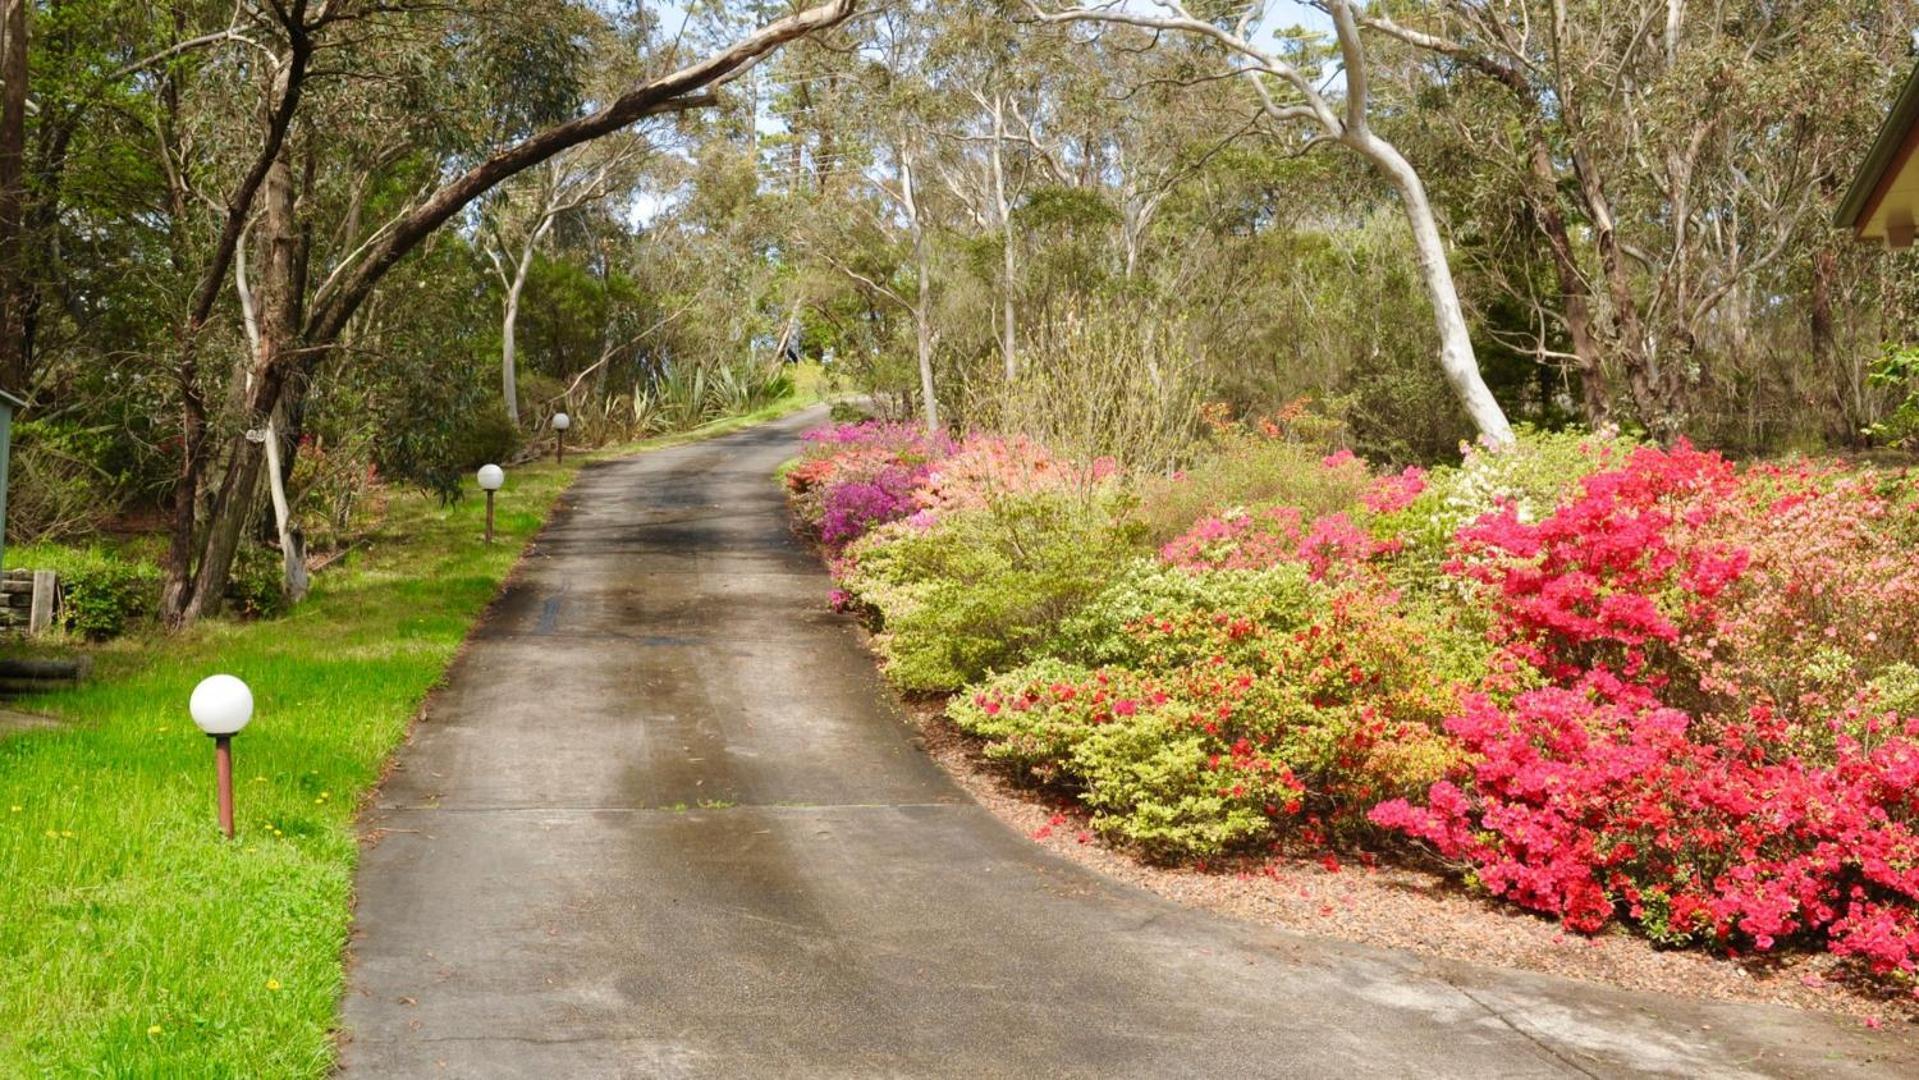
1410,909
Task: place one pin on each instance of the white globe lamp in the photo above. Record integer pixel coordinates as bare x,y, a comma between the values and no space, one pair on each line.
492,479
221,706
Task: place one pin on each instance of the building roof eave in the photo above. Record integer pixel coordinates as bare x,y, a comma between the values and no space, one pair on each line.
1884,156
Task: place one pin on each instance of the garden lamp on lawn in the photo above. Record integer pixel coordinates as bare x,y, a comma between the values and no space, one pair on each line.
221,706
561,422
492,479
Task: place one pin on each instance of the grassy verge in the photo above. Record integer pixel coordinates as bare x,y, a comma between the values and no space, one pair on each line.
134,940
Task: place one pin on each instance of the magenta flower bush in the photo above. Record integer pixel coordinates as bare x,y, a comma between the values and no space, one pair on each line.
852,507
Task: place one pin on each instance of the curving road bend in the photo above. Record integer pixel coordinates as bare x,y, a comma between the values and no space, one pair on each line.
664,820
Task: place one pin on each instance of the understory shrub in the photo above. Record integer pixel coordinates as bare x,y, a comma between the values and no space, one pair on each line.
1277,460
1185,612
975,590
58,486
1098,380
1708,757
103,595
1605,682
257,589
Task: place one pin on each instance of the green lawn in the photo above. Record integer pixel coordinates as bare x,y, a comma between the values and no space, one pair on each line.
135,940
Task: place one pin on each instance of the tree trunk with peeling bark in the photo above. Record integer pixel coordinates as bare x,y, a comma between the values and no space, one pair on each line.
1457,360
279,306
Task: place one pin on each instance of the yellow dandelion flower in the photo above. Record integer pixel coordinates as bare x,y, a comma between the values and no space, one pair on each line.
154,1030
273,984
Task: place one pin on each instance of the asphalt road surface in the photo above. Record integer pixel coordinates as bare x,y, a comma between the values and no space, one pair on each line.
665,820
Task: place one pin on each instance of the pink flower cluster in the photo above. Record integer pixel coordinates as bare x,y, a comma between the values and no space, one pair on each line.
1613,573
1663,773
988,467
1584,805
1394,492
1268,537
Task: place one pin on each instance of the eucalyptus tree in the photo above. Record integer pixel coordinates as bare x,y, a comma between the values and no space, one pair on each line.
1677,158
523,216
1290,96
887,206
990,81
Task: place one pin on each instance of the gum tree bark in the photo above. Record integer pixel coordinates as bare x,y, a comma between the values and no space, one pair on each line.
1349,127
1009,268
923,304
278,314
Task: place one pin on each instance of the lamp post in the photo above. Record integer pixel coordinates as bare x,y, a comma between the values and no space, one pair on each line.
561,422
492,479
221,705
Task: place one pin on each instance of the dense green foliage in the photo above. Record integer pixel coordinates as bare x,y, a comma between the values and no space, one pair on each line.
983,588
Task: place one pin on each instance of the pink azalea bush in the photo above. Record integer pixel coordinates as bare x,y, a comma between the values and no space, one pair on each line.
1686,764
984,468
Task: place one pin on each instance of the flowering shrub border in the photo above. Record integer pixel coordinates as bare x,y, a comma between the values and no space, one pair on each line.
1605,683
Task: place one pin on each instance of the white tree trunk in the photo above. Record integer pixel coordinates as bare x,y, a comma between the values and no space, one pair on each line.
923,330
509,380
292,544
510,328
1008,327
923,302
1456,357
